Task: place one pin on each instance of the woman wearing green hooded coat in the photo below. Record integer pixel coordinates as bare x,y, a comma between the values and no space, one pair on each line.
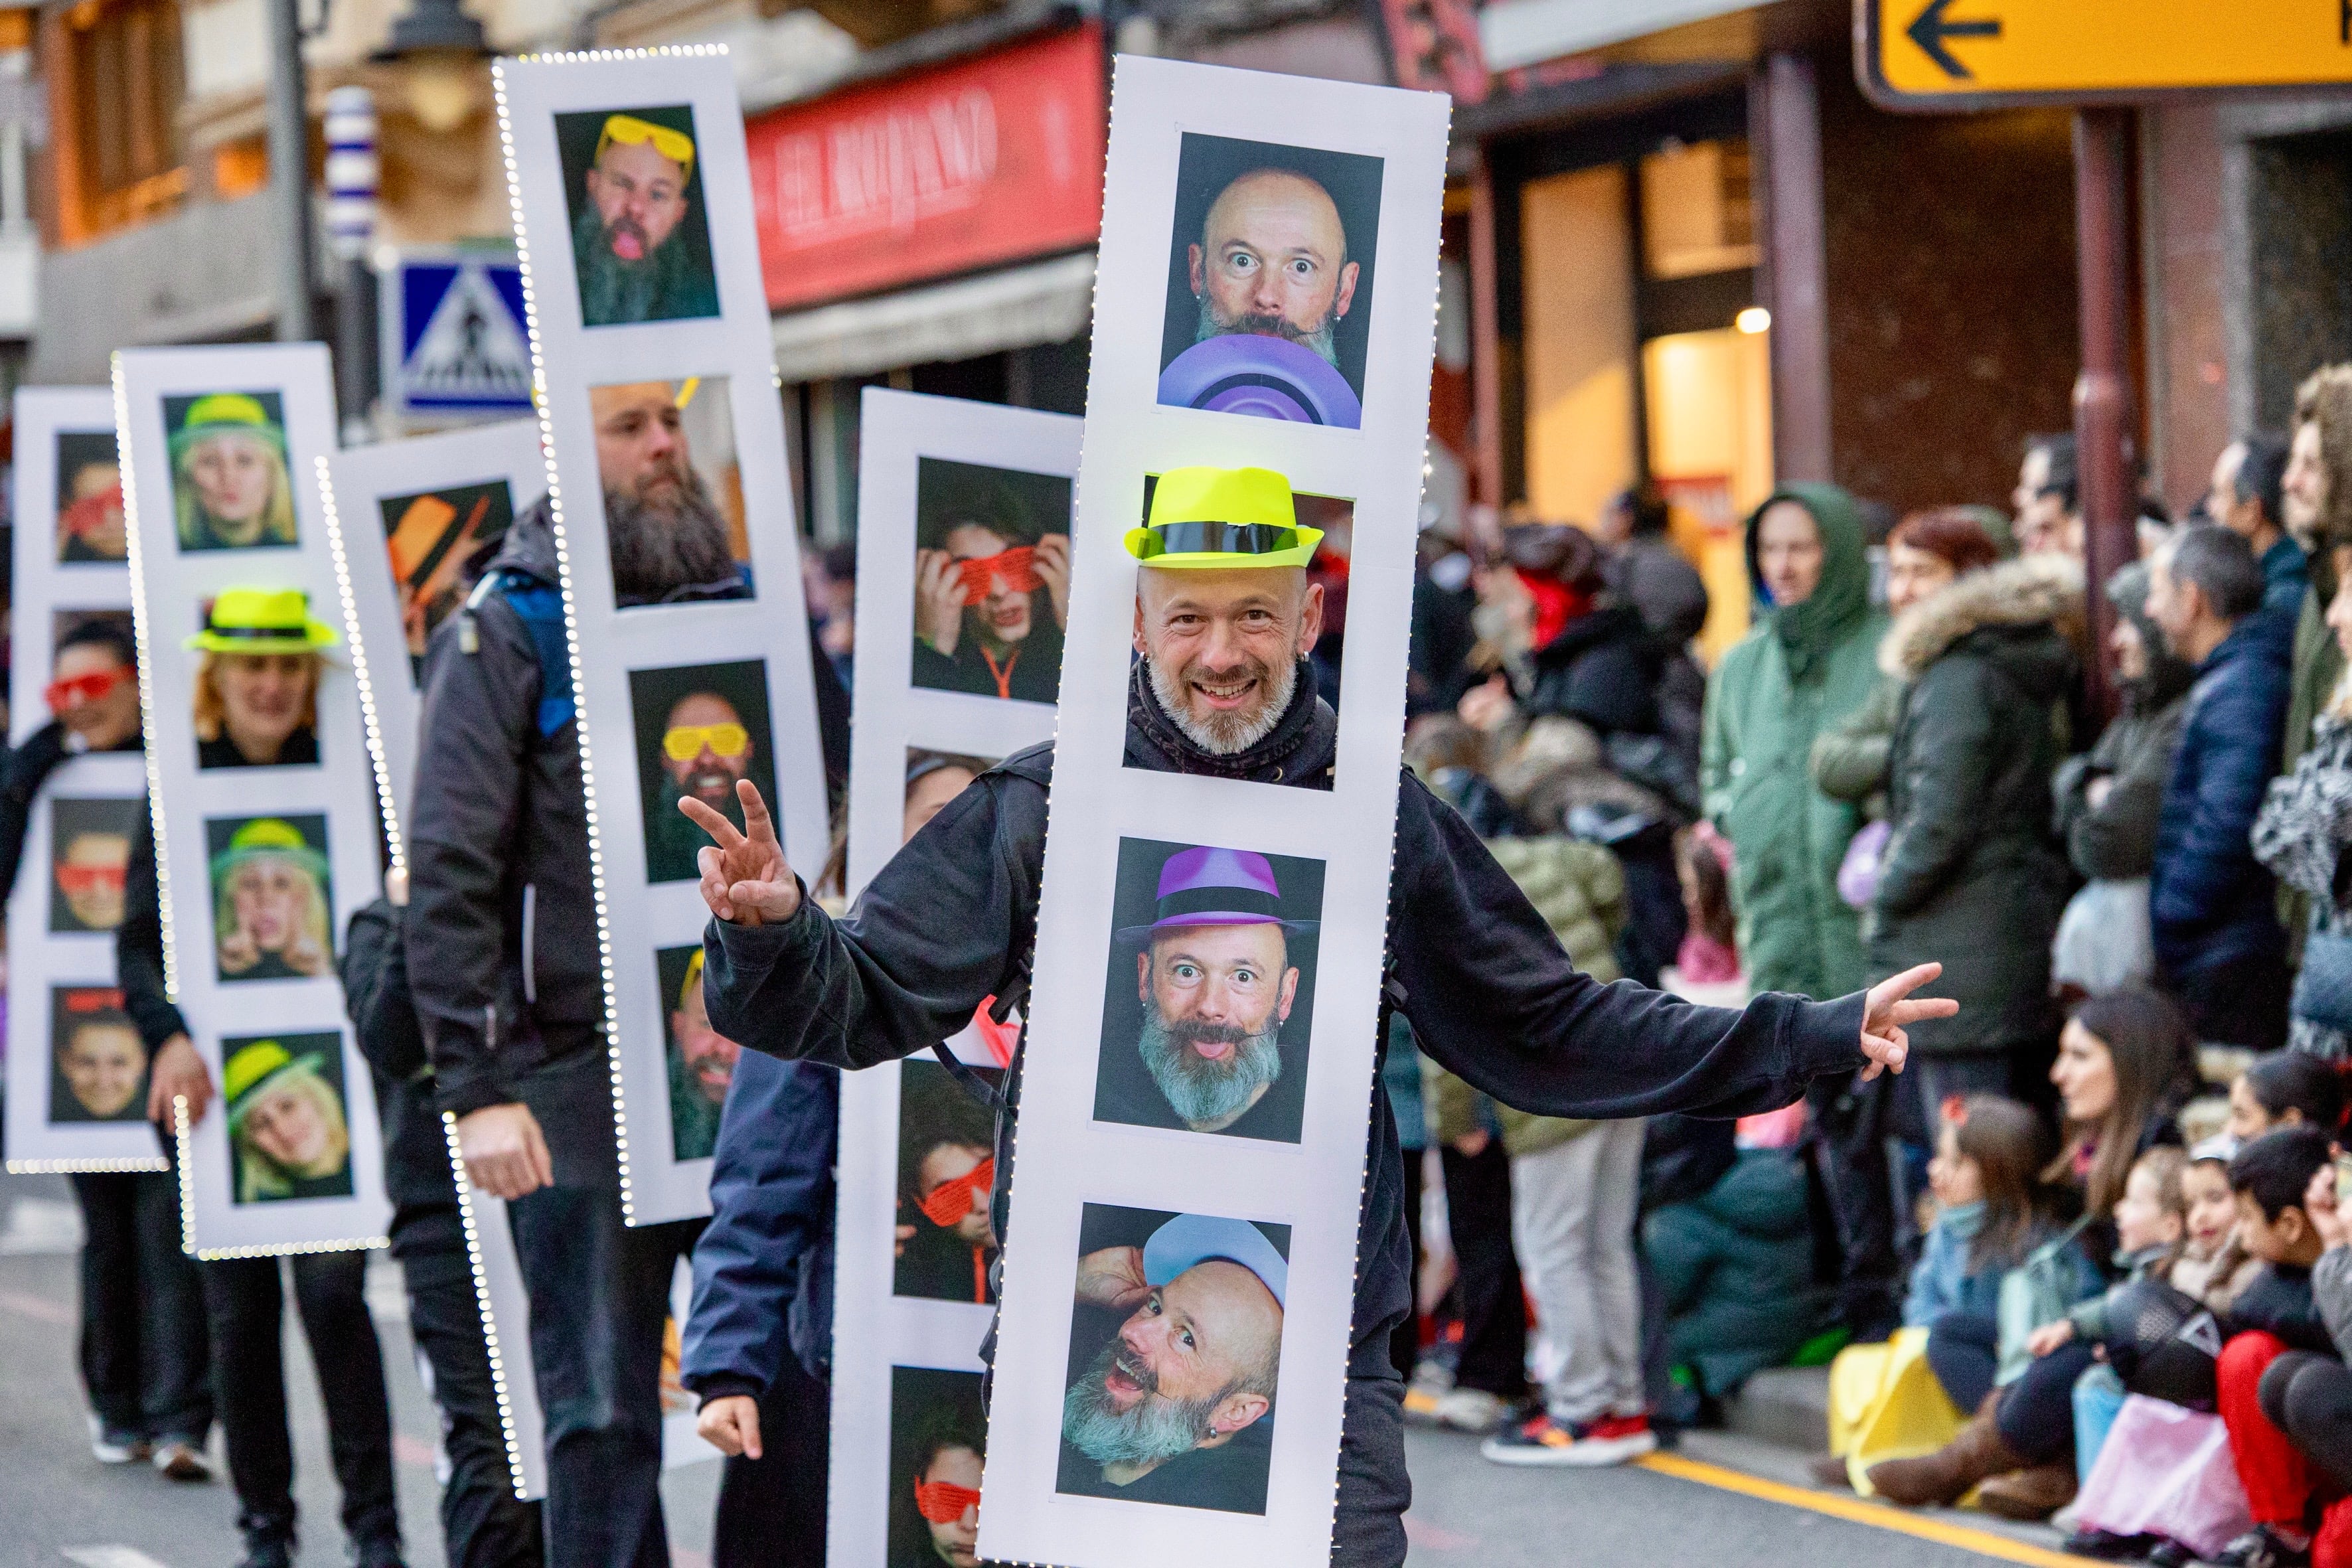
1808,664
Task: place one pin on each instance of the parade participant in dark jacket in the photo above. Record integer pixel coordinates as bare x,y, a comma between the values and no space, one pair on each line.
2219,947
1491,996
1971,871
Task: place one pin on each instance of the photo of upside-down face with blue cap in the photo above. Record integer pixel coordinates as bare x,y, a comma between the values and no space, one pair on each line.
1175,1358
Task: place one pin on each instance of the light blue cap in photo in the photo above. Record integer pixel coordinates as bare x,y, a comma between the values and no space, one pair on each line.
1194,1238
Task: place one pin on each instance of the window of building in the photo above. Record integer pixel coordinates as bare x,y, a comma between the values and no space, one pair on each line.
115,88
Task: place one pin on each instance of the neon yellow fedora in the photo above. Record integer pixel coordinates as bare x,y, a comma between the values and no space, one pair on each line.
262,620
1223,516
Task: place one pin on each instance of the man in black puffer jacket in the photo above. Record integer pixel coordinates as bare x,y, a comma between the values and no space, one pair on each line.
952,920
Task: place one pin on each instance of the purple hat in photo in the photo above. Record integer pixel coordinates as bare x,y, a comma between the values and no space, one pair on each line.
1260,375
1204,886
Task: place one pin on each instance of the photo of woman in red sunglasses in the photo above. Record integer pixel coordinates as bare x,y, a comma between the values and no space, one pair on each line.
991,580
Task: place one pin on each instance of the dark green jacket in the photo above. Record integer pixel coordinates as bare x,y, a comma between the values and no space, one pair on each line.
1799,672
1973,877
1735,1270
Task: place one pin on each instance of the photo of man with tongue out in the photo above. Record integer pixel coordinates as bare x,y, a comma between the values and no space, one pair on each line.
1210,995
1175,1354
639,239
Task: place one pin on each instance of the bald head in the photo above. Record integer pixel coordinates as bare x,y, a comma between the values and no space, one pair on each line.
1273,260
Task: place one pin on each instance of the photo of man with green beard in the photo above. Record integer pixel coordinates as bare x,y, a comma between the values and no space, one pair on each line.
701,729
1209,1005
1175,1356
639,240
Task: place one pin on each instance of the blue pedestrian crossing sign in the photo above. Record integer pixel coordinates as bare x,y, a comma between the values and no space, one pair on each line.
456,346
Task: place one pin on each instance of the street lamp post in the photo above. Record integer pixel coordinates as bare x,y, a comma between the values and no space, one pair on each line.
351,171
290,173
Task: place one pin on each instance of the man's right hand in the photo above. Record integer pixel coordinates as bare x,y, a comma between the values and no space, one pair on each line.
505,1152
745,878
1113,1277
730,1424
177,1071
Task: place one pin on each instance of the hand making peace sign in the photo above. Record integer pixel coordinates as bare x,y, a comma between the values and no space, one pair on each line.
745,877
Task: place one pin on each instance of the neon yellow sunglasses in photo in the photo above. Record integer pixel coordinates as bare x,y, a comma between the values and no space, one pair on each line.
684,742
631,132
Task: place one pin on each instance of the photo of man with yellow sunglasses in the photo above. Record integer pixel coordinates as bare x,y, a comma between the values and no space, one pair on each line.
639,239
700,729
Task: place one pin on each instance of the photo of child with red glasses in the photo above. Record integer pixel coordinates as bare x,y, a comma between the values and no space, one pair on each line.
945,1240
701,729
90,855
991,580
938,1445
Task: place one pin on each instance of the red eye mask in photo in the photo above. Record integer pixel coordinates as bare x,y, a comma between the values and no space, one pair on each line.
1017,566
87,515
78,689
951,1201
943,1502
90,879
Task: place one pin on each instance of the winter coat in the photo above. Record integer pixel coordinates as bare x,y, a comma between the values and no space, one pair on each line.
2301,834
2331,1288
1735,1269
2286,577
1971,876
1608,671
1580,893
763,1266
1803,669
2318,665
2114,841
1654,577
2212,902
1849,760
1947,1279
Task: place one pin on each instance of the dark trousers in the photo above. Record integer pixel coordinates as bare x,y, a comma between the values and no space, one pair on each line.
1852,1123
1375,1489
2036,1413
1404,1343
2242,1002
2309,1398
146,1355
1964,1353
483,1524
1487,1272
772,1509
246,1300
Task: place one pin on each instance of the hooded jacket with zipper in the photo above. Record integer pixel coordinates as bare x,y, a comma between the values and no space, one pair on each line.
1803,668
2114,841
1973,877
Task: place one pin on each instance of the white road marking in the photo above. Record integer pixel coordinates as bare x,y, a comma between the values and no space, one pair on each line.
112,1555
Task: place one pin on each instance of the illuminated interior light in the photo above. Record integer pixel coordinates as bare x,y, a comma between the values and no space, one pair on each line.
1754,320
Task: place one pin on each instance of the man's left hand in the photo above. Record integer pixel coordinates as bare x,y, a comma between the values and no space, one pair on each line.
1884,1041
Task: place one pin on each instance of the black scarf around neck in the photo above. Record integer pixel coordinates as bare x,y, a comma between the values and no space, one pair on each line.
1297,751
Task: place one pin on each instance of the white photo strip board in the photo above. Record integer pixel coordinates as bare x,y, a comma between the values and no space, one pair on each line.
650,329
259,868
957,628
78,1077
1341,410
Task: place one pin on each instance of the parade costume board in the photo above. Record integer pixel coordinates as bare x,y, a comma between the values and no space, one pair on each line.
258,867
650,329
948,490
77,1080
1131,854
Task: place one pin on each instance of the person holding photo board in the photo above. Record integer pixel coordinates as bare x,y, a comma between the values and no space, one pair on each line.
290,1131
1225,617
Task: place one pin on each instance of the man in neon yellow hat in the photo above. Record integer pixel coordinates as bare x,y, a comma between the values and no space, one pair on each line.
639,260
1223,617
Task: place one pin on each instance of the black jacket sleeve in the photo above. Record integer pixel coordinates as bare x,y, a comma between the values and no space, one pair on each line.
481,715
1493,998
1947,766
139,943
29,767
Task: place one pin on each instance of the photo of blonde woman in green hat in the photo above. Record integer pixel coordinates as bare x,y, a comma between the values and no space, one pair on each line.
229,485
286,1120
272,897
257,686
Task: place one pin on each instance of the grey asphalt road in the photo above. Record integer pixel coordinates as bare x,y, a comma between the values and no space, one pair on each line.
59,1507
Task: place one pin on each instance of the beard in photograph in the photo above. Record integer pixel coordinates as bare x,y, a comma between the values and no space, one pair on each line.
667,533
1204,1089
626,274
1157,1429
1322,339
1224,731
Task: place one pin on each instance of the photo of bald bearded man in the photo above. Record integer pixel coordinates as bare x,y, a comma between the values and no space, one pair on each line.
1270,281
640,241
701,729
1175,1356
1210,997
673,492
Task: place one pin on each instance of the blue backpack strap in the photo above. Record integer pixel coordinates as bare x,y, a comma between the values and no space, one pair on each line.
540,606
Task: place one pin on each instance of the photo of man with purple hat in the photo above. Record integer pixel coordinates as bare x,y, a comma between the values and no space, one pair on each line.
1175,1358
1208,1029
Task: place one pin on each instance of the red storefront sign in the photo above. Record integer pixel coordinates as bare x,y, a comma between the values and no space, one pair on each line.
981,162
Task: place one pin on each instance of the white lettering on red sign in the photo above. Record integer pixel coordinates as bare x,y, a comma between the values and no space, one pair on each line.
890,170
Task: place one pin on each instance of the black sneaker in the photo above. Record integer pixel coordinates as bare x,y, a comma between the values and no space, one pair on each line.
2264,1547
267,1551
377,1553
2171,1555
2109,1547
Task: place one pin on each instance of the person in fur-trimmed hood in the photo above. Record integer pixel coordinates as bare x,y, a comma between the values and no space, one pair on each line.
1972,871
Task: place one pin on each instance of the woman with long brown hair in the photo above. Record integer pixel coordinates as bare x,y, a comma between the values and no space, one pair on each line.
2123,1061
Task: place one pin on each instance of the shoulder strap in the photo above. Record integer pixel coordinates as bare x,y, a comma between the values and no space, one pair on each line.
540,607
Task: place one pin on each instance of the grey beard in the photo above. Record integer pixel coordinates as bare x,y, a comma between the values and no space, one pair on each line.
1203,1092
613,290
1223,734
1323,340
1157,1430
658,548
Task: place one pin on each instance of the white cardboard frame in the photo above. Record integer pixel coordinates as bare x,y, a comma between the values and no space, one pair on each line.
873,1329
635,917
1066,1160
168,588
39,959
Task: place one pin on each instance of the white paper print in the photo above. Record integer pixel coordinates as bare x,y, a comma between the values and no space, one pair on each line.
1161,1198
259,867
77,1079
650,326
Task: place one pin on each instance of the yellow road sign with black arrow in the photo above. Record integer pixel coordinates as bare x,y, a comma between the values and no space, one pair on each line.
1971,54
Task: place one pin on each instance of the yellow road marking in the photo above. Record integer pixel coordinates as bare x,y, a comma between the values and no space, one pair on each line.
1879,1516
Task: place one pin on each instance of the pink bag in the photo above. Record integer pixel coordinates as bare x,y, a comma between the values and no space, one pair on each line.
2167,1471
1865,853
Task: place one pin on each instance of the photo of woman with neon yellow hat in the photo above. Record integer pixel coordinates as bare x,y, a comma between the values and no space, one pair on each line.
229,485
286,1120
272,897
257,686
